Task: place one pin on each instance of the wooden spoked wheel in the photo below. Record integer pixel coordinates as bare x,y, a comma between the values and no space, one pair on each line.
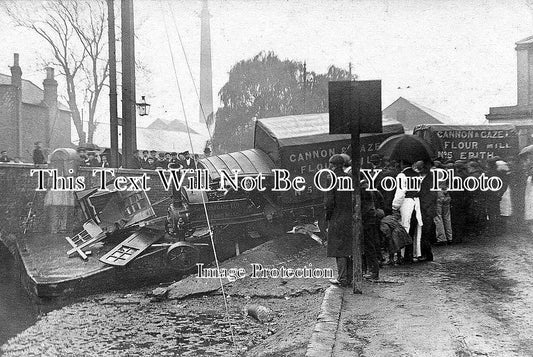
183,256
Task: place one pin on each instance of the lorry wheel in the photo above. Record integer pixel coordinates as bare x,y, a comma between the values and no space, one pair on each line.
183,256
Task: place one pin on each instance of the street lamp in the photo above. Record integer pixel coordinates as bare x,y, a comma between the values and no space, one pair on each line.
143,107
307,79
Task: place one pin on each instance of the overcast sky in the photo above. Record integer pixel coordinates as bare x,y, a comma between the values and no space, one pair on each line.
457,56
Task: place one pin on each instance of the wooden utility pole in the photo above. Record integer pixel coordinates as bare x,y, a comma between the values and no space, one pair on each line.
129,123
357,226
113,106
304,90
355,108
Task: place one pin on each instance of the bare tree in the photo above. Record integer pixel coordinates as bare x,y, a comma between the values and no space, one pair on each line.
75,31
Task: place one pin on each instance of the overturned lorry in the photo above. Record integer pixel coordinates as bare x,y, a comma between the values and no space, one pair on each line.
300,144
221,214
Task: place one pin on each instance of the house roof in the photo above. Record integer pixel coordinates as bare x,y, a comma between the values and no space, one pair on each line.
438,118
172,125
157,139
31,93
525,43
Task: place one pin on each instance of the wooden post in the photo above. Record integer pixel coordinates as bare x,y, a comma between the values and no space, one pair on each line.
113,106
357,226
355,108
129,139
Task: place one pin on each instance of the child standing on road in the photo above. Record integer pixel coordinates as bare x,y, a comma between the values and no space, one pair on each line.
443,222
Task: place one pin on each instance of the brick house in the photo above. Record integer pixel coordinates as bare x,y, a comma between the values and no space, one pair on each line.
521,114
29,114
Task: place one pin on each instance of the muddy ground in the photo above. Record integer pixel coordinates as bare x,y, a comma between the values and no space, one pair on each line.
132,323
475,299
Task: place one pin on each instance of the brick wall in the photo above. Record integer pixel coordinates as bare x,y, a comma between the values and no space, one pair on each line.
34,120
8,138
60,131
34,124
17,188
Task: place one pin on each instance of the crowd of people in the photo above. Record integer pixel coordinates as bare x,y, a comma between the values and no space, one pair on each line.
146,160
151,160
400,226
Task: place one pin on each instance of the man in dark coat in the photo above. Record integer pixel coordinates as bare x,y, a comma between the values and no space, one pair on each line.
38,156
92,161
517,184
4,157
460,203
144,159
428,207
161,161
137,159
338,207
174,162
188,161
371,214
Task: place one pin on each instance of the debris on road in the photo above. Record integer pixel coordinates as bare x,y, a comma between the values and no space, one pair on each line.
260,313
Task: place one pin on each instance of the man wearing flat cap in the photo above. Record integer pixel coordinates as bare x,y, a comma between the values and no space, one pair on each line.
338,207
174,162
161,162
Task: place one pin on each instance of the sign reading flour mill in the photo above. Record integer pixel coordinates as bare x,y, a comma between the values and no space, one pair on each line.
464,142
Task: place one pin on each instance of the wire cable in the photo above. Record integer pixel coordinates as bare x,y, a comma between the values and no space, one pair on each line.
203,196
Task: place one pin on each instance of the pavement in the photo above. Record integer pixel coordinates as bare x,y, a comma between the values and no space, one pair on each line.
475,299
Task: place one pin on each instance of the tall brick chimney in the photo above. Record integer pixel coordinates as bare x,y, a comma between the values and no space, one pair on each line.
524,57
16,72
206,70
50,99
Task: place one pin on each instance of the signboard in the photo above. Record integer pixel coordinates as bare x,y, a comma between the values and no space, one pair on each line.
307,160
461,142
352,102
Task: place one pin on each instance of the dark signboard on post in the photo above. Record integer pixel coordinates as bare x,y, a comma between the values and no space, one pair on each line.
355,102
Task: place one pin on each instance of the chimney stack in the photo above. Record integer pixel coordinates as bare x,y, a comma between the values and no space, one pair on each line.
524,57
50,99
206,71
50,88
16,72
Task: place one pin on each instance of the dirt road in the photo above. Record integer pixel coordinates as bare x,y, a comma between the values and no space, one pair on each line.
475,299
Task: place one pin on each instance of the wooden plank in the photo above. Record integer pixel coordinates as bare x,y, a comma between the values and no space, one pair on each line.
92,231
130,248
77,249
